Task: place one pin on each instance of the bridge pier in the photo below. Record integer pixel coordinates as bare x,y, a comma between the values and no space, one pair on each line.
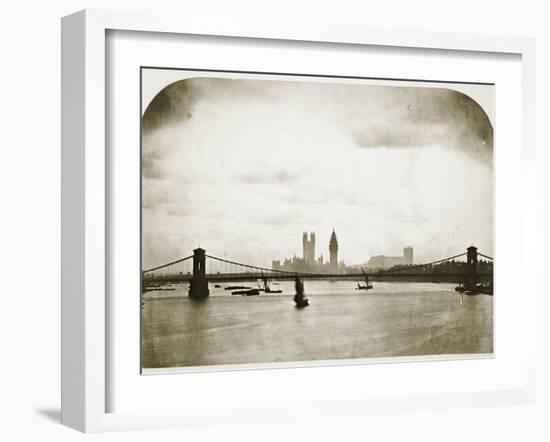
472,276
198,287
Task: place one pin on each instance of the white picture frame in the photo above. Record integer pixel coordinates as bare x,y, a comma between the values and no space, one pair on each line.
85,211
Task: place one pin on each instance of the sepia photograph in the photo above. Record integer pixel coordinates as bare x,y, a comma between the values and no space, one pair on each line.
308,219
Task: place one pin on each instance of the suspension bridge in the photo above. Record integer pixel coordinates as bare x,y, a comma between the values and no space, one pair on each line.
194,269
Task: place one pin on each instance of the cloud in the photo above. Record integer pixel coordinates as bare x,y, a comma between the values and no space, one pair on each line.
175,103
244,166
151,162
267,177
429,117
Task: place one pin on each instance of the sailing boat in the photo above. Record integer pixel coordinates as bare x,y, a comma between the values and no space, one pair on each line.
368,285
300,297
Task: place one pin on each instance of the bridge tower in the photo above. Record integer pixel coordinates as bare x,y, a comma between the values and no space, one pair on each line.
471,263
198,287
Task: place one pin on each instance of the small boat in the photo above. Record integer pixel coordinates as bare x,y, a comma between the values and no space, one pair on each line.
480,289
487,289
251,292
159,289
237,287
217,286
301,303
367,286
473,288
265,286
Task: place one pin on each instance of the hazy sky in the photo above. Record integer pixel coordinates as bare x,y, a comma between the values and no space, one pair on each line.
242,167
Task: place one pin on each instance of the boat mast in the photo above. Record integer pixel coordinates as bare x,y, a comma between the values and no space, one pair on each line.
266,285
366,276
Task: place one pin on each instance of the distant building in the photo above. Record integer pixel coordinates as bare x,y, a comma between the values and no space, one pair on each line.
408,255
386,262
308,248
308,263
333,249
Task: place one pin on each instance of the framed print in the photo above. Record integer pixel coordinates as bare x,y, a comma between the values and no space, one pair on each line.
241,205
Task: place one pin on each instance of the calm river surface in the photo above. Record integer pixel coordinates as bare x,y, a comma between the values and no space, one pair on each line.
392,319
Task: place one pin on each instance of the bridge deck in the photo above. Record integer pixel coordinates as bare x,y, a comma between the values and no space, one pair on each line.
234,277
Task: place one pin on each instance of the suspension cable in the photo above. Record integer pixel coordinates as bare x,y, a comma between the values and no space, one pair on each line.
168,264
256,267
439,261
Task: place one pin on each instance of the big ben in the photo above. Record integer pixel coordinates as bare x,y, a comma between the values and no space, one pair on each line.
333,249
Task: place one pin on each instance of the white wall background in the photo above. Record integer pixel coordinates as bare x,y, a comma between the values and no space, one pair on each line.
30,215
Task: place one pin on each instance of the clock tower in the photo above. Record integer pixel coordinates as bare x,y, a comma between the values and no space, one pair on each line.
333,249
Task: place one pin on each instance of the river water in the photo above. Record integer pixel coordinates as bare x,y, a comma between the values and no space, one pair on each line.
392,319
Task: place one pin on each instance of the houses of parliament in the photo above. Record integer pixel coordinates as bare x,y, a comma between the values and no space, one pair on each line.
308,262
